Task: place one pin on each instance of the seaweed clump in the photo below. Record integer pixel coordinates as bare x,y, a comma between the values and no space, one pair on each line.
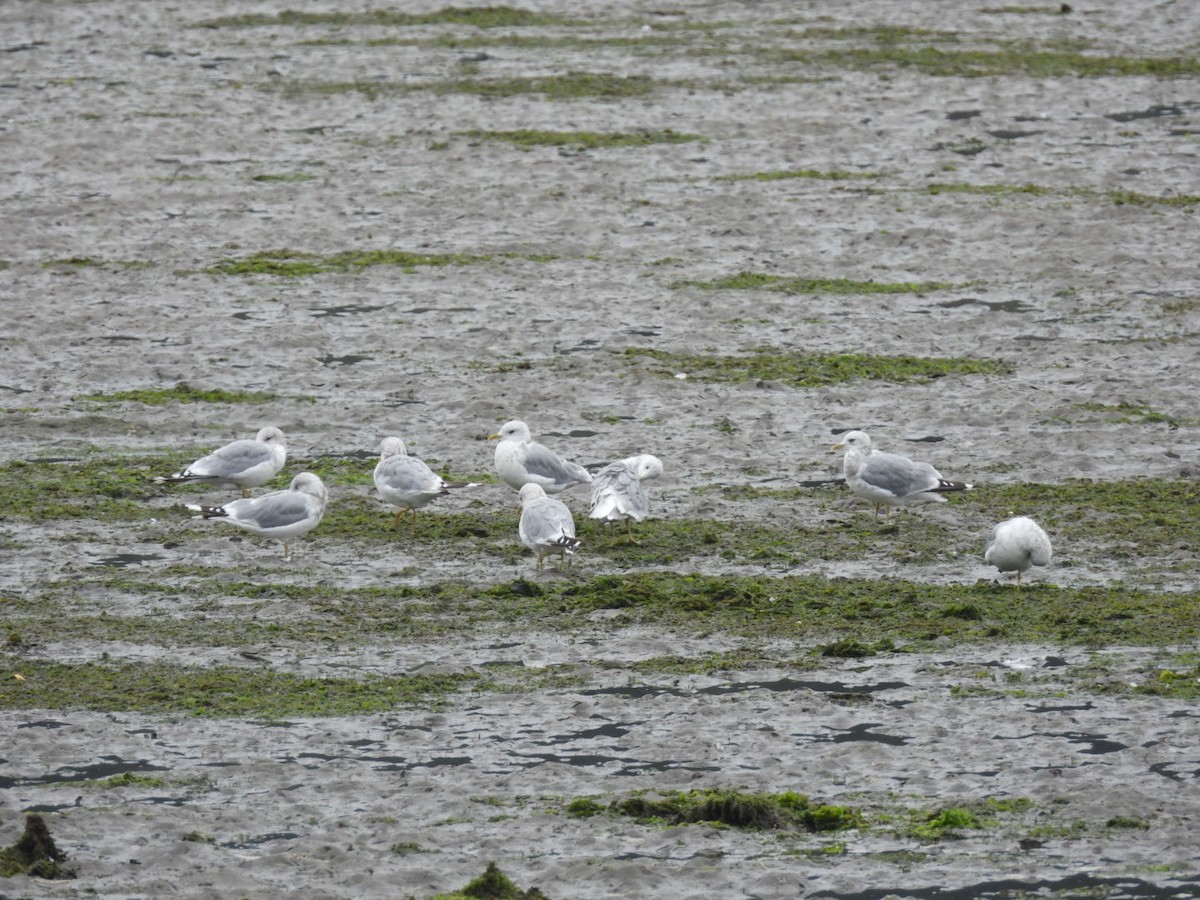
493,885
34,853
755,812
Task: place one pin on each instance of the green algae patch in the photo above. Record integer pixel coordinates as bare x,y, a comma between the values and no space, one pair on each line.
180,393
105,488
944,822
1015,60
836,617
813,369
91,262
297,264
587,140
790,284
1144,518
370,519
1126,413
905,612
811,174
991,190
292,178
216,692
474,16
569,86
730,808
1116,197
950,822
1136,198
493,884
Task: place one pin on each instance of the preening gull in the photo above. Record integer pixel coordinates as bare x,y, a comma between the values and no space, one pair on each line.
546,525
1018,544
282,515
406,481
243,464
888,479
520,460
617,491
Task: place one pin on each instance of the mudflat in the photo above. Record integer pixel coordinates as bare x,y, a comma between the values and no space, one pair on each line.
722,233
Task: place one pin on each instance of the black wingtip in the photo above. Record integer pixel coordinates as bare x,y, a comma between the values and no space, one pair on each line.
944,485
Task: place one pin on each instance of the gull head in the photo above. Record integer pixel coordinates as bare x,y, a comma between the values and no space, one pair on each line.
531,492
516,430
392,446
854,440
645,466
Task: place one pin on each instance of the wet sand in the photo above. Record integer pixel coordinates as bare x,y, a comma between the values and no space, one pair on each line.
140,150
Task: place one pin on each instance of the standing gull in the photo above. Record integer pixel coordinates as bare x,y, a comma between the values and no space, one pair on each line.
520,460
282,515
617,491
243,464
888,479
407,481
546,525
1018,544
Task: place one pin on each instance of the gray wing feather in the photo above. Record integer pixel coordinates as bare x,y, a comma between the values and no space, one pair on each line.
272,511
616,490
231,459
407,473
547,520
898,475
542,461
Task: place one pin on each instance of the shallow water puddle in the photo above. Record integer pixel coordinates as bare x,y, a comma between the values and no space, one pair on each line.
610,730
112,767
1171,771
259,840
1008,306
1082,885
1097,743
350,359
124,560
855,733
1158,111
345,309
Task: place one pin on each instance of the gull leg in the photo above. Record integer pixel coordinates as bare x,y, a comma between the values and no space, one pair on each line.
245,492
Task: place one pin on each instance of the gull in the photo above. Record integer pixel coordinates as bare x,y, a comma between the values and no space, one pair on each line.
617,491
243,464
1017,544
546,525
520,460
888,479
407,481
282,515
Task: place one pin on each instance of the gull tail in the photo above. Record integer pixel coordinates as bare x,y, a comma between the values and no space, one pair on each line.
568,544
208,512
177,478
606,508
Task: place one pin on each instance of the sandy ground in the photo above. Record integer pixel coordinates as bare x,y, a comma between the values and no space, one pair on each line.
132,138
